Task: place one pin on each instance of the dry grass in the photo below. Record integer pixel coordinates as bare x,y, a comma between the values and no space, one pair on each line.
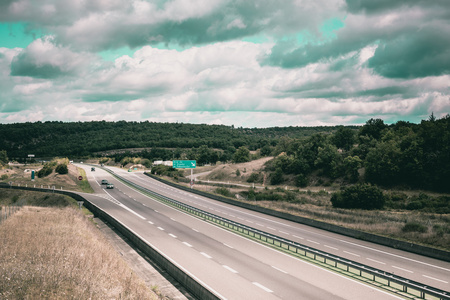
385,223
50,253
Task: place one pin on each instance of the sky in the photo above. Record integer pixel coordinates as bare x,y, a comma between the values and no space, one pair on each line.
246,63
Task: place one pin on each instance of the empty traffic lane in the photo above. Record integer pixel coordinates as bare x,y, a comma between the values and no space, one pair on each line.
232,266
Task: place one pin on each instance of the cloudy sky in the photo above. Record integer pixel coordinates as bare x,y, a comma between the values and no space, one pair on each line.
250,63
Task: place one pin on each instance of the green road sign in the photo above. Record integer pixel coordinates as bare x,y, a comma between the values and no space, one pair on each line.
185,164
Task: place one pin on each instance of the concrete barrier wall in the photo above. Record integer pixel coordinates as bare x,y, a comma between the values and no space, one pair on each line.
165,263
381,240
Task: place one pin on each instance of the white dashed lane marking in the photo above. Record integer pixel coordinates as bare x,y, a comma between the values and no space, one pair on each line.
403,269
187,244
435,279
352,253
331,247
279,270
262,287
205,255
230,269
377,261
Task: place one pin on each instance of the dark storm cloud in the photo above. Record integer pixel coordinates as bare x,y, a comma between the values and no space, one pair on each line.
379,6
416,54
23,65
407,47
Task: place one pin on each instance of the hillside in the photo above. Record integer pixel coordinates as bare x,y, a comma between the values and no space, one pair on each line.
49,139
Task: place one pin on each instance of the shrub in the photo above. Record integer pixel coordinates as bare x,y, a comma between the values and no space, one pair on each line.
62,169
224,192
301,180
4,177
254,177
364,196
45,171
415,205
277,177
414,227
166,171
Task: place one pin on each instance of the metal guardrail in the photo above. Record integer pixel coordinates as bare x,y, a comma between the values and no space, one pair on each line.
392,281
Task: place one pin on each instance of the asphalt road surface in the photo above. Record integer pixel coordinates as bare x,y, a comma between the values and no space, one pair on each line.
234,267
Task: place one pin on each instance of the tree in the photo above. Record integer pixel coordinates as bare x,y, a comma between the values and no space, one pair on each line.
242,154
62,169
277,177
373,128
328,159
344,138
301,180
364,196
383,164
3,157
351,166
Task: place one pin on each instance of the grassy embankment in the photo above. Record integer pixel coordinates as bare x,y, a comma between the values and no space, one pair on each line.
416,226
57,253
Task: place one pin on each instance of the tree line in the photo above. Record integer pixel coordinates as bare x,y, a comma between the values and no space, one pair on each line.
400,154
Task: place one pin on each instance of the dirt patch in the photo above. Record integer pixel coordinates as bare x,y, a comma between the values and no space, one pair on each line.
227,172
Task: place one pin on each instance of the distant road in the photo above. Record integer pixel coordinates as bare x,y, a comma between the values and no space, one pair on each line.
238,268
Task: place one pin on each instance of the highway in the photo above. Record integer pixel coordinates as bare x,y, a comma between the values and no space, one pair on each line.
235,267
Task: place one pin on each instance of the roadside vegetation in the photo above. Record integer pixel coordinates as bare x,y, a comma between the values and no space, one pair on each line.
388,179
56,252
57,173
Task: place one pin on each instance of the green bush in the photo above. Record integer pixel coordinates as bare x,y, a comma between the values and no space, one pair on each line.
364,196
414,227
301,180
254,177
46,170
224,192
277,177
62,169
4,177
415,205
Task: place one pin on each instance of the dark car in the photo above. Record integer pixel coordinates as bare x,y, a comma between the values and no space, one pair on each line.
104,181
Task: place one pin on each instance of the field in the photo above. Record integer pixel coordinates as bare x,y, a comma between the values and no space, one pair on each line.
57,253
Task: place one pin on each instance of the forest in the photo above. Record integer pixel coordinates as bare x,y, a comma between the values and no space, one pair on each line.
401,154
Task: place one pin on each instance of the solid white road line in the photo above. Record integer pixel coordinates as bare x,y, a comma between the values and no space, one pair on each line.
395,255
